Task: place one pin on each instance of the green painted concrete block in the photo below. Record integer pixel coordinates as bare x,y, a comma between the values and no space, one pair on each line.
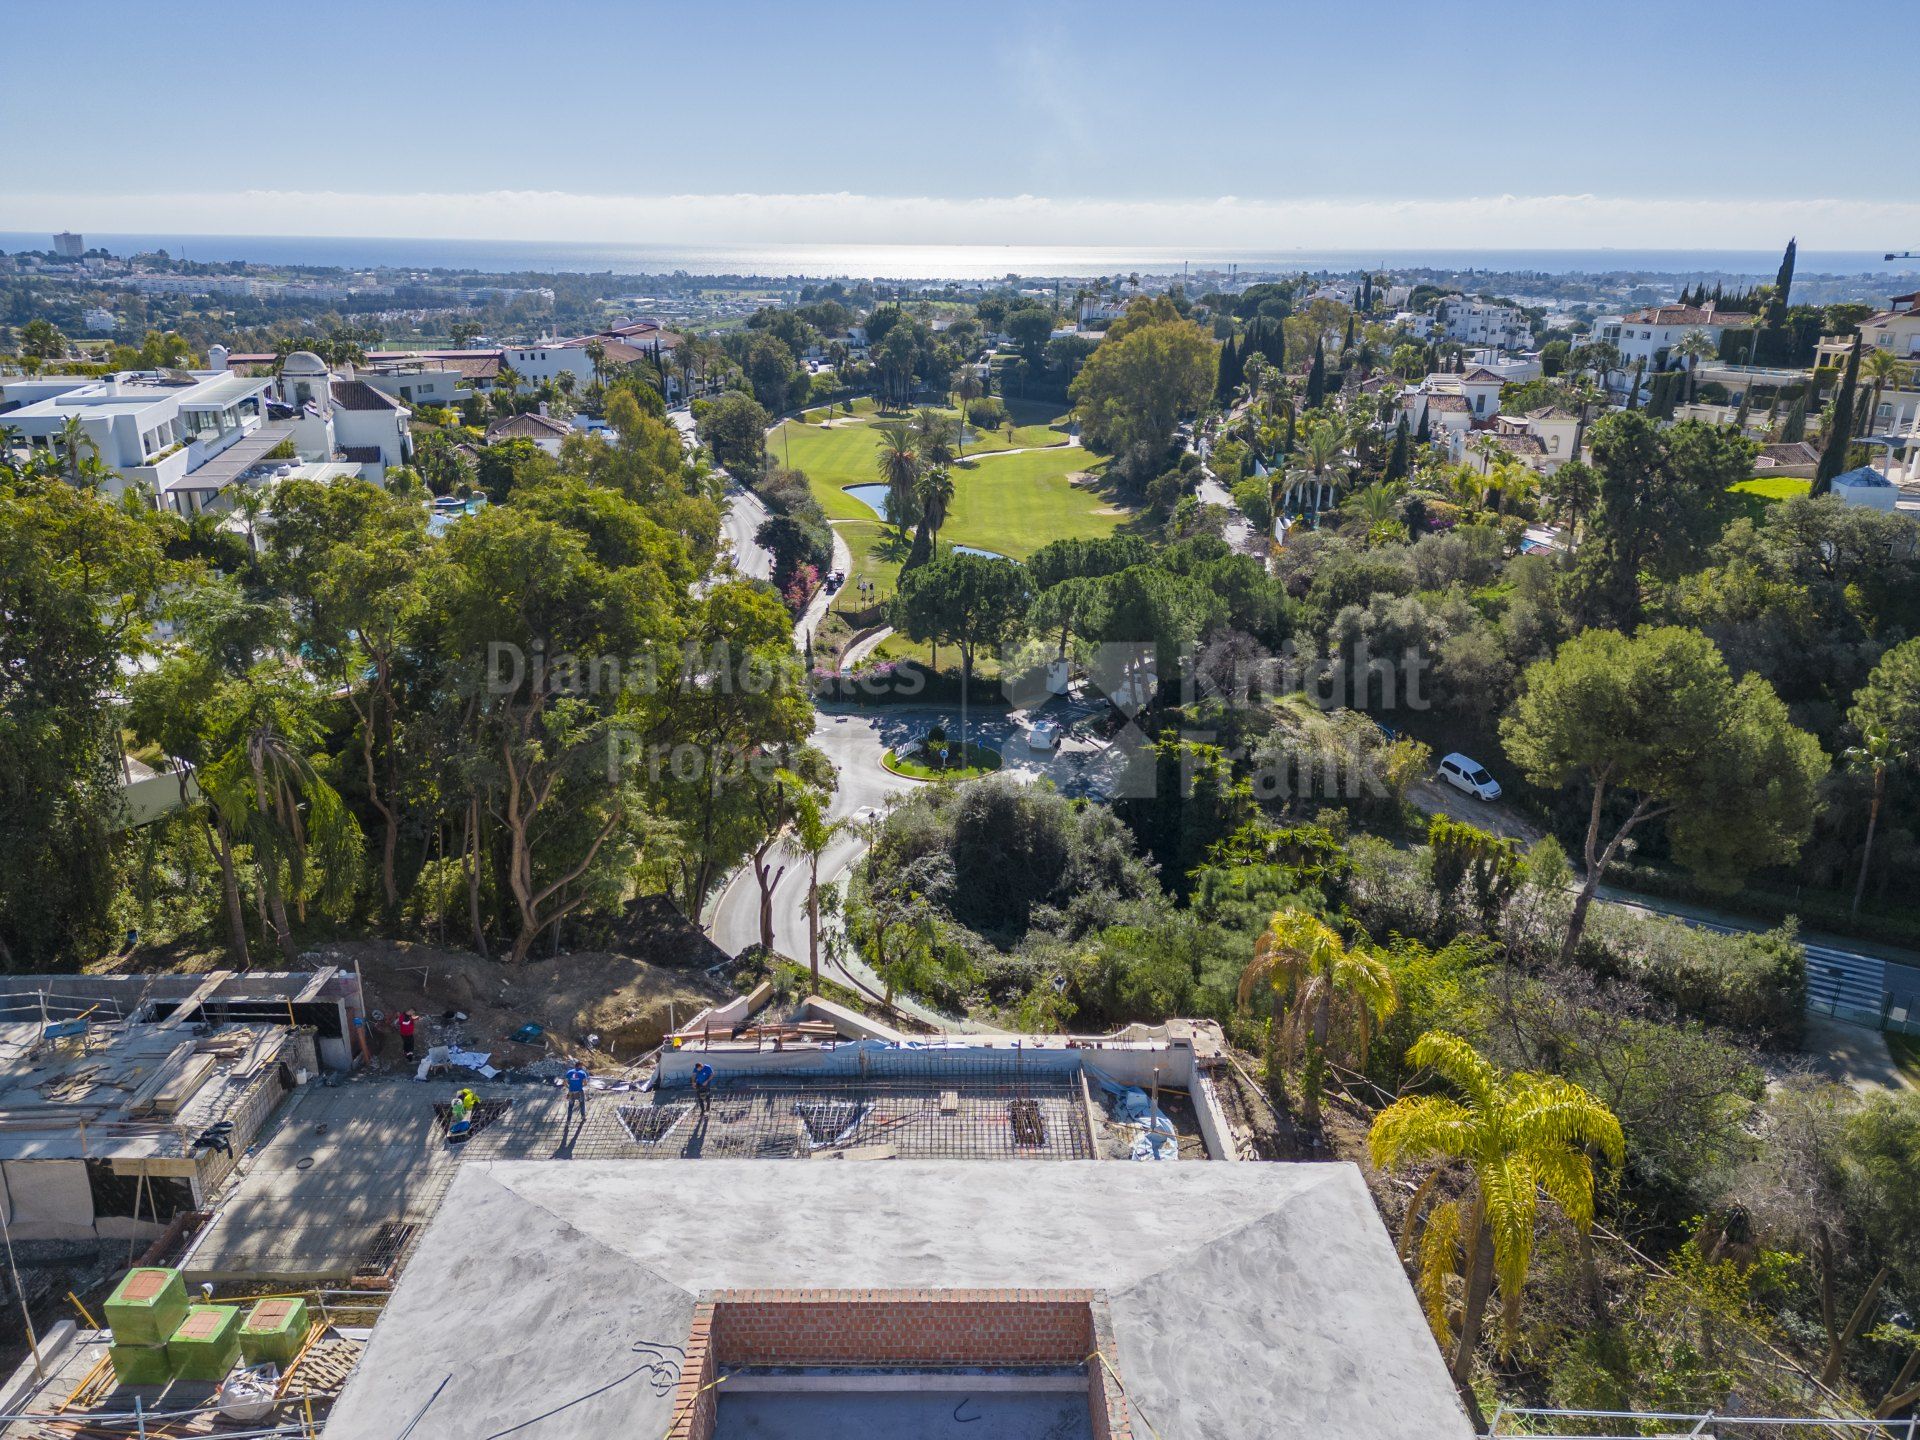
275,1331
140,1364
147,1306
207,1342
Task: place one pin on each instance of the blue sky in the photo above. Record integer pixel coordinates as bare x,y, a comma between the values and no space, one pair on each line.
1671,123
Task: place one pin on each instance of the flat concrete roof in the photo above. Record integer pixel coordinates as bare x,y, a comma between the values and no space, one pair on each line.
1246,1300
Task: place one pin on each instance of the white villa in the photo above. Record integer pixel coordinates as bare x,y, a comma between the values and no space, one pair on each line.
1651,335
1481,322
184,436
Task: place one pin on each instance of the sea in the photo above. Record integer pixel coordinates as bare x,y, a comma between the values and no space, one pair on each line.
942,262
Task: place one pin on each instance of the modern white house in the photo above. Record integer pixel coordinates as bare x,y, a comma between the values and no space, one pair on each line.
1415,324
156,430
1651,335
1483,322
99,321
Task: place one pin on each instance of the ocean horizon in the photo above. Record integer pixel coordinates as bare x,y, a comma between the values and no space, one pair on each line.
940,262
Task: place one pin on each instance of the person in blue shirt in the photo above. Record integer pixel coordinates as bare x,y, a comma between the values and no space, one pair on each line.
576,1092
702,1085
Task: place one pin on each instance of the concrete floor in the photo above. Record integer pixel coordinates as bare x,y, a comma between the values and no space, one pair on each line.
903,1417
1852,1054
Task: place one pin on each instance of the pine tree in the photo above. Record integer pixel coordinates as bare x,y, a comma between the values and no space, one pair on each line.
1317,377
1397,457
1796,426
1833,458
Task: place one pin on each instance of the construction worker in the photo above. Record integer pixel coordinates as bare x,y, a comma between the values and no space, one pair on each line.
702,1085
405,1022
576,1093
460,1115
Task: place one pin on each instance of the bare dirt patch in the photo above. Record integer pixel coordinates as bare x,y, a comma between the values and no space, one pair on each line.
1495,817
628,1003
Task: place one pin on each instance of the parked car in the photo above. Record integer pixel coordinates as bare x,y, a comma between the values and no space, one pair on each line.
835,579
1464,773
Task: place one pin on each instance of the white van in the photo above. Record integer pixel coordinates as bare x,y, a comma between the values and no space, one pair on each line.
1043,735
1469,775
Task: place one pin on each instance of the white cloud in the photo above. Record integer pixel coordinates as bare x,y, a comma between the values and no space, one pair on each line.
1227,223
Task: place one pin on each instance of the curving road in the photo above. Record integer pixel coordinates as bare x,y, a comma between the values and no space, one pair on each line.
853,740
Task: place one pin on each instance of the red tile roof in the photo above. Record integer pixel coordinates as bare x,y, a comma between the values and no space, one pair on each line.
1688,315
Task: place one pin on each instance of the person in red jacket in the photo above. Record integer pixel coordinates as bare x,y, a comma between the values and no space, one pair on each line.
404,1022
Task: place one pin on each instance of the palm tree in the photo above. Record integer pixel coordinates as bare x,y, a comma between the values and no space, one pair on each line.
596,357
1879,366
813,833
899,462
1694,347
1379,505
1509,480
1517,1134
934,492
1325,996
934,435
1487,450
1877,753
250,502
967,386
1469,488
79,451
1321,448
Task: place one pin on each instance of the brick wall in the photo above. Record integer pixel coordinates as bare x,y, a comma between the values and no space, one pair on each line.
902,1327
785,1328
695,1405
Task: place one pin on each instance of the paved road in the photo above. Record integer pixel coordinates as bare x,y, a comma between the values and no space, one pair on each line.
854,740
1240,532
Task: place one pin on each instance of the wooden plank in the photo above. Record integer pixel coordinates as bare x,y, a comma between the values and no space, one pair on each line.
201,994
142,1096
175,1094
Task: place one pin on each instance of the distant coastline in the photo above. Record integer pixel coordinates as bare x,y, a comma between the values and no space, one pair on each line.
943,262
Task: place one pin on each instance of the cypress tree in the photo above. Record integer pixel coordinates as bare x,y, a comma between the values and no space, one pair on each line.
1425,433
922,550
1796,426
1317,377
1397,457
1227,375
1833,458
1782,286
1633,390
1347,344
1746,409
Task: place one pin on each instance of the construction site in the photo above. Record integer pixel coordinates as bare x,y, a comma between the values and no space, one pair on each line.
248,1158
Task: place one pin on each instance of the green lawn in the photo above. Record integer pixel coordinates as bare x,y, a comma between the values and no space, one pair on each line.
1756,495
1035,423
1010,504
1774,487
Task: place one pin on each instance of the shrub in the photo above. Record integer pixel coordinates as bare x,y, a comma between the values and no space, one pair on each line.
1755,983
987,413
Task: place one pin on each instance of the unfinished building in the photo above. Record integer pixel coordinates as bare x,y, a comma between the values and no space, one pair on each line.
126,1100
718,1299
